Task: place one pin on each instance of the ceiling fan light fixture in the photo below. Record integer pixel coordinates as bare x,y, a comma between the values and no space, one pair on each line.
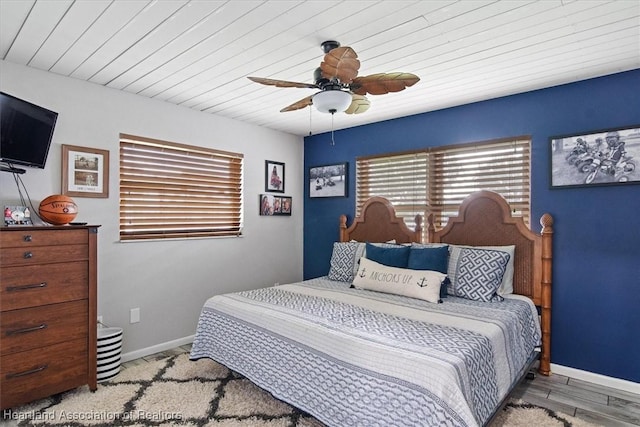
332,101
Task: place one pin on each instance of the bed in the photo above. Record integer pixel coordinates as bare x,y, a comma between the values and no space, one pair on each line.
353,348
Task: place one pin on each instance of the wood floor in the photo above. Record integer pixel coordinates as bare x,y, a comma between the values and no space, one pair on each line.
588,401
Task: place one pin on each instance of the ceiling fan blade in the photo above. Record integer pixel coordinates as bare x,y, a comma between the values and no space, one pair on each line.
359,105
281,83
304,102
341,63
379,84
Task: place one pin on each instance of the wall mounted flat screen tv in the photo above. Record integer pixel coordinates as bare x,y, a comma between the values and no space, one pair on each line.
25,132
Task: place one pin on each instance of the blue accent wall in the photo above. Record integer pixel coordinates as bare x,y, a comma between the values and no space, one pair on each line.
596,272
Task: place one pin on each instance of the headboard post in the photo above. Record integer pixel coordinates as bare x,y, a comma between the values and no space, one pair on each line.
546,221
431,228
418,229
343,228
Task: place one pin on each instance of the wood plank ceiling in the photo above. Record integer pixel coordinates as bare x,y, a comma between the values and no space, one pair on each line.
198,53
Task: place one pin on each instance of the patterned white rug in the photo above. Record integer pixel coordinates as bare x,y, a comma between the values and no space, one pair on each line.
176,391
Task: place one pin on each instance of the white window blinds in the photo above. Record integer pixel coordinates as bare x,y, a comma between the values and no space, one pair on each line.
170,190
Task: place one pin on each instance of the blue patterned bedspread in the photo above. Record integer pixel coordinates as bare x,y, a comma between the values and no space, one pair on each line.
360,358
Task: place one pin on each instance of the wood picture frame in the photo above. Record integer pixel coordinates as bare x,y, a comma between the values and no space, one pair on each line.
85,171
595,158
329,180
273,176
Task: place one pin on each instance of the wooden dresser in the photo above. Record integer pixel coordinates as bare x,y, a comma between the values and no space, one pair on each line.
48,281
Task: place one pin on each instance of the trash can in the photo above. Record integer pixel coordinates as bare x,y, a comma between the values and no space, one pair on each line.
109,349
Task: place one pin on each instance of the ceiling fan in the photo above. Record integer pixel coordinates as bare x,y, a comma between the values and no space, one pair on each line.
340,87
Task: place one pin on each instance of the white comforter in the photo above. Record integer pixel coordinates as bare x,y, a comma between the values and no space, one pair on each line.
361,358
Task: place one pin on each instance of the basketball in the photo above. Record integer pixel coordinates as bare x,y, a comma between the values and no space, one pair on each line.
58,209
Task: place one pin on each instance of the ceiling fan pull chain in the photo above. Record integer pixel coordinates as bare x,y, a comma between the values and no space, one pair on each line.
333,142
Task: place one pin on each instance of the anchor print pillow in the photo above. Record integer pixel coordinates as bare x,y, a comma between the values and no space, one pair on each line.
420,284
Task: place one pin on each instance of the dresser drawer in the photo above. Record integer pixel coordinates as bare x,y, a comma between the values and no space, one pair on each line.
31,328
27,238
35,285
34,374
43,254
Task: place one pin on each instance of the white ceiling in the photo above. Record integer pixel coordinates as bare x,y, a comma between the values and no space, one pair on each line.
198,53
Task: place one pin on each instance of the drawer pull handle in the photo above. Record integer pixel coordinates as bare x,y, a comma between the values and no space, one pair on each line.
28,255
26,287
27,237
29,372
27,330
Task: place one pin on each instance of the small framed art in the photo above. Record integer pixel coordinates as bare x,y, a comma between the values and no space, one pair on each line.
85,171
274,176
275,205
594,158
17,215
329,180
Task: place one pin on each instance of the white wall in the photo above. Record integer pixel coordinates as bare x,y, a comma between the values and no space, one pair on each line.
168,280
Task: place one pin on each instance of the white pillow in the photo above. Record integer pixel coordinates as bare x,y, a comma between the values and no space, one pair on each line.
506,286
420,284
428,245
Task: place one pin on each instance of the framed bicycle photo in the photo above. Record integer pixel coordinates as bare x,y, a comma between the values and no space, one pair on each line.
594,158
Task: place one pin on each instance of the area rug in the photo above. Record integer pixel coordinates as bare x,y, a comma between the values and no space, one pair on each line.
177,391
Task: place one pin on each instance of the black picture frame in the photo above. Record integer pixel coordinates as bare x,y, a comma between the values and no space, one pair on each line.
270,205
273,176
594,158
329,180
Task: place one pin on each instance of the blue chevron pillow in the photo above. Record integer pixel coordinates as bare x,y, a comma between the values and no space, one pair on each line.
479,274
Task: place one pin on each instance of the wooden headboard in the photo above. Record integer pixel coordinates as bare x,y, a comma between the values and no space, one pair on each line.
379,223
484,219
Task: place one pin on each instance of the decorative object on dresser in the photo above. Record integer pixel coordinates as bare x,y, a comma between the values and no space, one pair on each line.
58,209
17,216
48,287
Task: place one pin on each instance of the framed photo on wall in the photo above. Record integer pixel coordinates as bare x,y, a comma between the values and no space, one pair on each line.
329,180
273,176
595,158
85,171
271,205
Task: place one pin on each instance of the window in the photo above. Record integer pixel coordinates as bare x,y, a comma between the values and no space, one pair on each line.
436,180
170,190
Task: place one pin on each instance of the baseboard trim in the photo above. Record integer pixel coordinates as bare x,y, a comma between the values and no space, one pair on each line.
603,380
137,354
